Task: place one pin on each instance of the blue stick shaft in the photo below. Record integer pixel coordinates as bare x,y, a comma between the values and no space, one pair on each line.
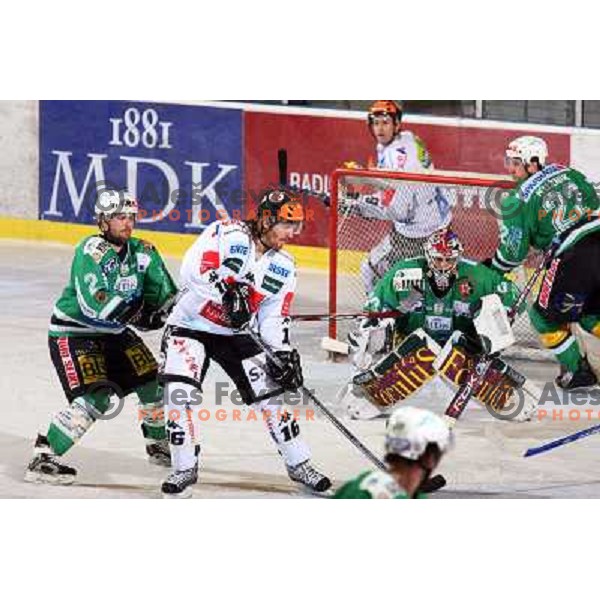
562,441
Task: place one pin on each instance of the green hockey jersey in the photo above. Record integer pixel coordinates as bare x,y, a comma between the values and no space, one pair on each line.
105,287
372,485
440,317
556,201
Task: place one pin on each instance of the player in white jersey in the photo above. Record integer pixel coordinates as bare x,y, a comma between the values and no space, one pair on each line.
415,215
236,273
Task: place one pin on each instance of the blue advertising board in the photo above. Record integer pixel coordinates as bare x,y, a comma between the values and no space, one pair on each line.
183,163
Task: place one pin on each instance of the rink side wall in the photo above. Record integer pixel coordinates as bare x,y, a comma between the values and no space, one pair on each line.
191,163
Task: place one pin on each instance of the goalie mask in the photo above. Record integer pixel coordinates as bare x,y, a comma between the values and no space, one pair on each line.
410,431
443,250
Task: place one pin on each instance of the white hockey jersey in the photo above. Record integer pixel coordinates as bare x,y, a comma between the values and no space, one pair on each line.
417,211
225,253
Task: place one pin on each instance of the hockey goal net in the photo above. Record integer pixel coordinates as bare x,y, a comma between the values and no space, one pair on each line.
473,200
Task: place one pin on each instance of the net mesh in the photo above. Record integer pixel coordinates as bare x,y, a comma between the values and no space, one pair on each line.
365,242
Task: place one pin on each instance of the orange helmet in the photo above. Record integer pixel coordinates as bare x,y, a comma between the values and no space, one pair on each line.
385,107
281,206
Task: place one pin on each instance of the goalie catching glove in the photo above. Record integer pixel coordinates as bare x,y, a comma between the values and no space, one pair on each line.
288,372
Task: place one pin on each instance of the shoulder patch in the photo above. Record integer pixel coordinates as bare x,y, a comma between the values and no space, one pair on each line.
380,485
96,247
147,246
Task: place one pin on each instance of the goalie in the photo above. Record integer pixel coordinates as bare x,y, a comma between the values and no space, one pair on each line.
451,311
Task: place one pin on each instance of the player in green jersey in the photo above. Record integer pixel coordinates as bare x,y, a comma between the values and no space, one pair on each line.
415,442
555,205
440,291
116,280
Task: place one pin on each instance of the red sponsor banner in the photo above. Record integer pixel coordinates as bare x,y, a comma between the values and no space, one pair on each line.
318,145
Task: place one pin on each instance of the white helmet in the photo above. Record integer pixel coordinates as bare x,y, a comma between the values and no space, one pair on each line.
410,430
528,147
112,202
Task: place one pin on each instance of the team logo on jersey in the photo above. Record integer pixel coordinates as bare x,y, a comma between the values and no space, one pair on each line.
465,288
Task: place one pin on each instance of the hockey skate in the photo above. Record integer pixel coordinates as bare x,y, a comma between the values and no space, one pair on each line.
308,476
158,453
179,483
45,467
583,378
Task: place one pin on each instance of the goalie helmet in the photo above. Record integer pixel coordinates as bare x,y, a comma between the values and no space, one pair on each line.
112,202
385,108
411,430
527,148
443,250
279,206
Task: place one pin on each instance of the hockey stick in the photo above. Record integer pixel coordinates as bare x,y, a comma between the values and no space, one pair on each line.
283,180
461,398
332,418
389,314
562,441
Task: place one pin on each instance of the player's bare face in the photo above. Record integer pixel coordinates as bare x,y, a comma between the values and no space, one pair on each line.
119,229
516,168
384,129
281,234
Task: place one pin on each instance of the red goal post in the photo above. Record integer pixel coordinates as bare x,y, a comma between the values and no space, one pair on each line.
472,197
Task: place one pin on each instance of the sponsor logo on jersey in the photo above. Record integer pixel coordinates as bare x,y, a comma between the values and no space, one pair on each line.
239,249
462,308
96,247
438,323
126,284
529,187
109,266
67,361
143,262
438,308
215,313
210,260
271,284
547,284
273,268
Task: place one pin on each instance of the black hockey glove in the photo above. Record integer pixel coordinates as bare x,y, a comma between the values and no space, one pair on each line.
128,311
236,302
289,374
150,319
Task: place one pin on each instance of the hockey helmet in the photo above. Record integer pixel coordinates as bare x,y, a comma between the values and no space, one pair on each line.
385,108
411,430
526,148
280,206
112,202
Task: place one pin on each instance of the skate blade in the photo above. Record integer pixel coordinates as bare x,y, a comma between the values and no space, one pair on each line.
34,477
184,495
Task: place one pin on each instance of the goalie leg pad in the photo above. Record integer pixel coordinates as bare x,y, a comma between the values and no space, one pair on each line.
400,374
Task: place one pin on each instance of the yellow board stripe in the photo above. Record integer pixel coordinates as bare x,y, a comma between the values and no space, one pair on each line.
169,244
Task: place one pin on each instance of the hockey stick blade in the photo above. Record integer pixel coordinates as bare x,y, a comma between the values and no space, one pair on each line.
437,482
562,441
282,166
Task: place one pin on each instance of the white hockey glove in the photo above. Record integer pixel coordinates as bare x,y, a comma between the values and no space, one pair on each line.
371,337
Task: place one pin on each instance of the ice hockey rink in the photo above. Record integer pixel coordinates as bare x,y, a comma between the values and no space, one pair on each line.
238,457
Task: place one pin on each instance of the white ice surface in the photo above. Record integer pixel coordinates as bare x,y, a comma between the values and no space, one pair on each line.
239,459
